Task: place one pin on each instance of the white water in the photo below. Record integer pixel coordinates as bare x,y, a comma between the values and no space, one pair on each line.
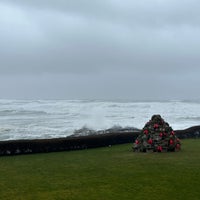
23,119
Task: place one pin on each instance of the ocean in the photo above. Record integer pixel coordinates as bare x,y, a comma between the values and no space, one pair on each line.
35,119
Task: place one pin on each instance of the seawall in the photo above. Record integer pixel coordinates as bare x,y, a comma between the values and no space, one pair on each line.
16,147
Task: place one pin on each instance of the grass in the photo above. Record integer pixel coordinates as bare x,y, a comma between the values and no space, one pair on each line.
104,173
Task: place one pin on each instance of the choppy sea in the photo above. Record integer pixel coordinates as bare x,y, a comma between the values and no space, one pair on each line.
33,119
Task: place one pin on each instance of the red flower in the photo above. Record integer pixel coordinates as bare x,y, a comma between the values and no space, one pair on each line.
161,134
146,132
136,142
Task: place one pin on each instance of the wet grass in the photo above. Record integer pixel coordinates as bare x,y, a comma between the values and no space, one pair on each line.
103,173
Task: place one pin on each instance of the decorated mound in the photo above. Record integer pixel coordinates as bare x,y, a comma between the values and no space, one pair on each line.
157,136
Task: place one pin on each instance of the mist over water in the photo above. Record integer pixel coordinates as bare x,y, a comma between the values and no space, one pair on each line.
31,119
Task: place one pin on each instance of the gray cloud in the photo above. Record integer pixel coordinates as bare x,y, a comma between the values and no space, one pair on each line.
50,46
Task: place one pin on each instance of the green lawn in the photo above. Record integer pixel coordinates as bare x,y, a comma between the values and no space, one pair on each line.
104,173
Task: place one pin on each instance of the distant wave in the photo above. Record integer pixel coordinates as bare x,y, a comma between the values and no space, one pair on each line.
5,129
22,112
190,118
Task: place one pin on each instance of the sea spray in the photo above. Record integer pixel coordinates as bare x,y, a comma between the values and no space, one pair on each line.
35,119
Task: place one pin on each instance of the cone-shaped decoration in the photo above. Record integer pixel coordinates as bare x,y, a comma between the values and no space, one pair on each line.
157,136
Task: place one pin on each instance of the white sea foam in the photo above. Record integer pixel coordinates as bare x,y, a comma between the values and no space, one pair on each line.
59,118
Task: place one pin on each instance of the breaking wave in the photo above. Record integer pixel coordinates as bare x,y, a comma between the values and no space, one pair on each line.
61,118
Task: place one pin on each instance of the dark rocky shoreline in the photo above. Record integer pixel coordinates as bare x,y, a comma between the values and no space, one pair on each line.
16,147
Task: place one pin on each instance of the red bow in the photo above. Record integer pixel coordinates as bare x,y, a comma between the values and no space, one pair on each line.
159,148
156,126
172,133
136,142
150,141
171,142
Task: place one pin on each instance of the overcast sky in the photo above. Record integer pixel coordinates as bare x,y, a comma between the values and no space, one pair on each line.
100,49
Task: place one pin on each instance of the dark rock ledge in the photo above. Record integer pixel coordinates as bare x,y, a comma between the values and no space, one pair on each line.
16,147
